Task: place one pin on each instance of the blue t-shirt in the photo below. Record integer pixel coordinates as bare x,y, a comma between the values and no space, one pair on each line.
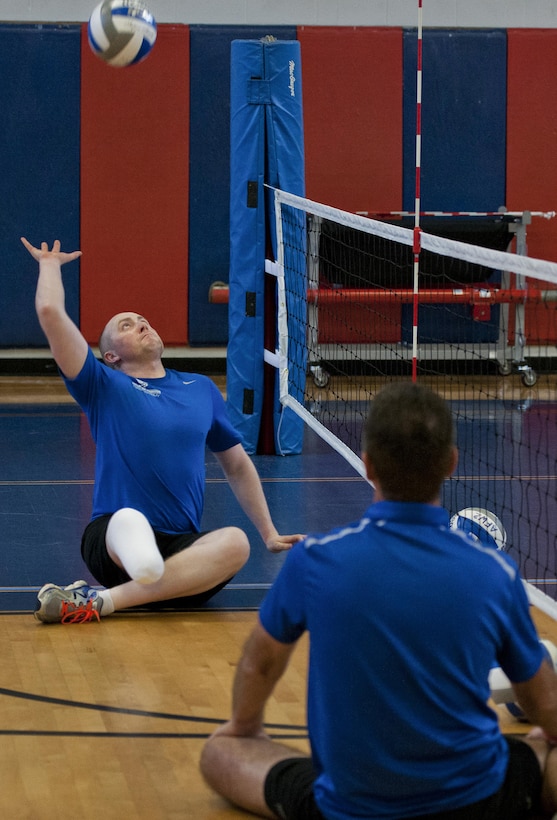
150,438
406,618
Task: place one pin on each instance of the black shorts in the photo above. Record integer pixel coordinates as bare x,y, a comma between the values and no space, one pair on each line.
289,790
109,574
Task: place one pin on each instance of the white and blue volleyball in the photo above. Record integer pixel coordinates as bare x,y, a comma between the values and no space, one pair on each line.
121,32
481,524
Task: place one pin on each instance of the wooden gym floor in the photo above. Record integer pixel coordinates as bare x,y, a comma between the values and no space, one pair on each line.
108,720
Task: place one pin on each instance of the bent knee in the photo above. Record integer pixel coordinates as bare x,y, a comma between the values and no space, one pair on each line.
208,760
215,759
237,545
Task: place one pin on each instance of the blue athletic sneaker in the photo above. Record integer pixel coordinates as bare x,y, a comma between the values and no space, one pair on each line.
77,603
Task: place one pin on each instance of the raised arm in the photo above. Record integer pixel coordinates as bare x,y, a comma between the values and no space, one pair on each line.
66,342
246,486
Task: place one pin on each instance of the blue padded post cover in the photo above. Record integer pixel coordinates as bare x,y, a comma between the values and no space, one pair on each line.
248,95
266,145
286,170
209,172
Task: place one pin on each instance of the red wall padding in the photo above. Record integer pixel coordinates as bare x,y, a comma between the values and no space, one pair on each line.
134,187
532,152
352,91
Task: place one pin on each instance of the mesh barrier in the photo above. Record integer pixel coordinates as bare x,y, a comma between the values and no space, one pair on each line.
473,325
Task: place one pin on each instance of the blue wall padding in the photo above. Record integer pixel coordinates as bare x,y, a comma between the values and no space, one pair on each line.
463,138
209,193
464,91
266,145
285,170
479,123
39,184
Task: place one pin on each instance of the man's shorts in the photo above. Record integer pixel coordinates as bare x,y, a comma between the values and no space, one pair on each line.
109,574
289,790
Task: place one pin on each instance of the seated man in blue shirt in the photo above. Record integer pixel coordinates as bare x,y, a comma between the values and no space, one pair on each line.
151,426
406,618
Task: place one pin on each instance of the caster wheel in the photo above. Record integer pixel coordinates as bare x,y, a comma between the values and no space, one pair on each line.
320,376
529,378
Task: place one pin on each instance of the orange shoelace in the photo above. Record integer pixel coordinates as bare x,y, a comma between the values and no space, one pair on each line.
81,614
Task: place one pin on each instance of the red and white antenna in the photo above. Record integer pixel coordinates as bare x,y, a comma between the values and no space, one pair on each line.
417,238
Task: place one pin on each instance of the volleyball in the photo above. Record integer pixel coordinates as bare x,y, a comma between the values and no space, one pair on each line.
483,525
121,32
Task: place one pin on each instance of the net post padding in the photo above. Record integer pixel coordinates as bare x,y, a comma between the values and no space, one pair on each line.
266,137
247,241
286,171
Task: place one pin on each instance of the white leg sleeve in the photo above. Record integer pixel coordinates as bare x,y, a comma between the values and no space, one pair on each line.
130,538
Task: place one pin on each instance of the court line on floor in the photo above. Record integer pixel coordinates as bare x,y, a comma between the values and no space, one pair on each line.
147,735
294,730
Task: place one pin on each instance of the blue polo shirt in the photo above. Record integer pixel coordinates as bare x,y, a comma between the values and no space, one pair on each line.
150,438
406,618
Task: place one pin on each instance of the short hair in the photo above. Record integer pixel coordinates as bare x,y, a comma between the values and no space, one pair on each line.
409,440
105,343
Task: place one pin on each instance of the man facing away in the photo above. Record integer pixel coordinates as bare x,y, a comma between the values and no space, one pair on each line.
406,618
151,427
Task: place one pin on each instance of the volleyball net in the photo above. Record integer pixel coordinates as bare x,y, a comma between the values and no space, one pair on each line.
478,326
